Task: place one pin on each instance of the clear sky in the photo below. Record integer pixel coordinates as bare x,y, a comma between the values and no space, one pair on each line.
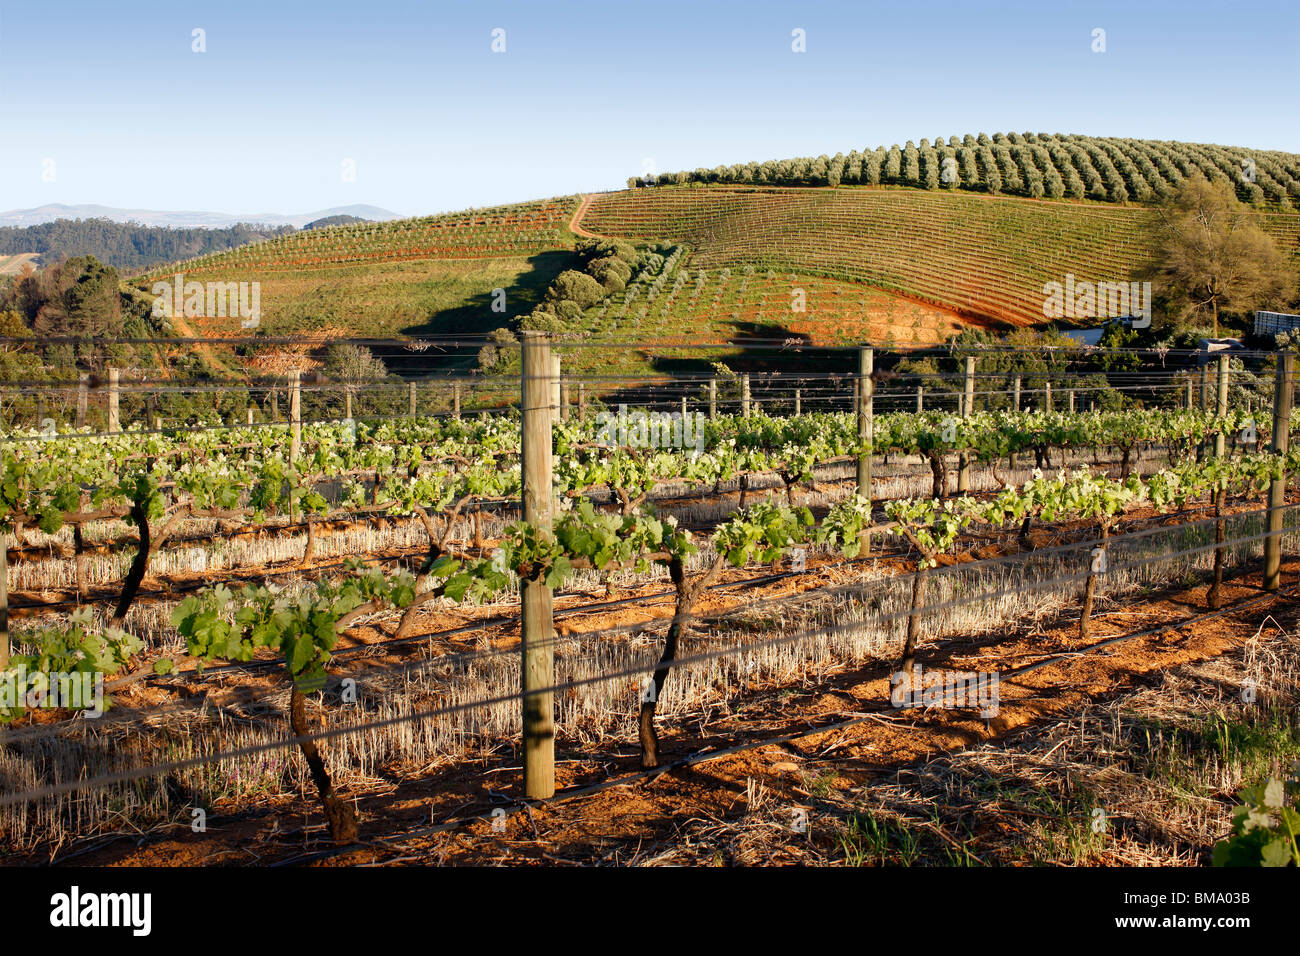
585,93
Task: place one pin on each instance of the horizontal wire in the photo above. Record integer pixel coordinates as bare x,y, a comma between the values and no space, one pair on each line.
139,773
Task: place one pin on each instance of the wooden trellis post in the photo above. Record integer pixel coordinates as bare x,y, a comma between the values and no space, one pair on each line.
83,398
554,391
295,415
968,403
713,398
538,642
1282,396
866,402
744,395
920,399
1015,407
1220,437
114,408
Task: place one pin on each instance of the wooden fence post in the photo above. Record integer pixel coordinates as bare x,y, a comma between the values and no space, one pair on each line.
538,643
83,398
798,403
1282,397
1047,396
1015,407
920,399
968,403
114,408
554,391
866,403
713,399
295,415
744,395
582,401
1220,437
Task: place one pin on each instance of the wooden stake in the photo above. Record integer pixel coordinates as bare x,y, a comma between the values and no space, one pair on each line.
1220,437
1015,407
114,409
1284,387
83,398
866,409
744,395
295,415
968,403
538,644
555,386
713,399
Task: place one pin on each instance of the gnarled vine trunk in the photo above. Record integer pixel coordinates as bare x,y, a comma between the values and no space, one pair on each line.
1090,588
919,582
340,815
938,473
135,576
1215,596
688,594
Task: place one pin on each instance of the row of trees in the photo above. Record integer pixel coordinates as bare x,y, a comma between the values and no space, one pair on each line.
1038,165
128,245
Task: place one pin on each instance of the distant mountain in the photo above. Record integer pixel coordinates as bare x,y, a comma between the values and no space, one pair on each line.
208,220
335,221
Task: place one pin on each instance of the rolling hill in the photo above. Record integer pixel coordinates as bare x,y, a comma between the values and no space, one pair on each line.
882,246
979,255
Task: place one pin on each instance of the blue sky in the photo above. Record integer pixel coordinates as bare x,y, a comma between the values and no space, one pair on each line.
586,93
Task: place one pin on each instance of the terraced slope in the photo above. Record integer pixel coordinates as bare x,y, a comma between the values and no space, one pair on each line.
975,254
429,275
501,232
1030,164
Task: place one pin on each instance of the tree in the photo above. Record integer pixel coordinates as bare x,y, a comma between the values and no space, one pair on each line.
353,364
1212,254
